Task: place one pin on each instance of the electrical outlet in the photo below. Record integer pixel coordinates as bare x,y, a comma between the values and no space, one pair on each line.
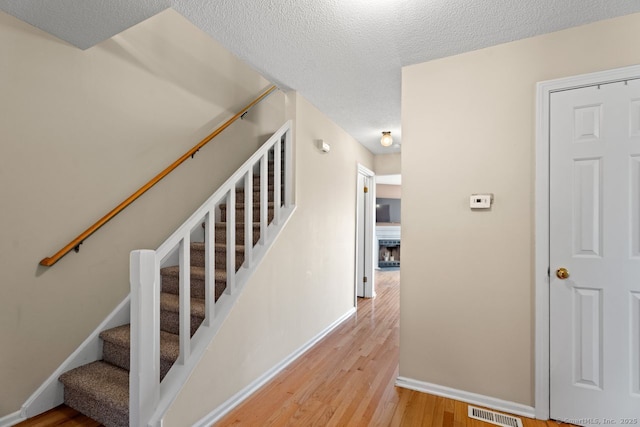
480,201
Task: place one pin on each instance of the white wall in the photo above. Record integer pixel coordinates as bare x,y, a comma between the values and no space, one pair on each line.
467,305
304,283
81,131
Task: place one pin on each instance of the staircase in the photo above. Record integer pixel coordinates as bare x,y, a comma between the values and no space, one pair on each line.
102,389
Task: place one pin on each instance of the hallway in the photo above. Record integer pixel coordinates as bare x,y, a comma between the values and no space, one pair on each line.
341,381
347,379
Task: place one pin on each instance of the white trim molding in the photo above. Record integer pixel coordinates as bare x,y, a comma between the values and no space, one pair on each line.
11,419
467,397
364,243
246,392
542,263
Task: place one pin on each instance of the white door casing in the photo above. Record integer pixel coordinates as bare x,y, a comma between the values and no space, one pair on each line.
365,201
592,189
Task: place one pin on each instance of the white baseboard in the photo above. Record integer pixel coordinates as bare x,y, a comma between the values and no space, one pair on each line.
243,394
465,396
11,419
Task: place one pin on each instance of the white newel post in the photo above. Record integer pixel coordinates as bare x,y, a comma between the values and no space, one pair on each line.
144,375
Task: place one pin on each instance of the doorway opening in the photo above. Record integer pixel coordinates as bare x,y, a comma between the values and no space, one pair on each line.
387,240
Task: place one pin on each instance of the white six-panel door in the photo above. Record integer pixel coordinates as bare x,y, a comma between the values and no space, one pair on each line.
595,237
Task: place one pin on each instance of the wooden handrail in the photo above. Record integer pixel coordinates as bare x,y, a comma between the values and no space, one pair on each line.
75,243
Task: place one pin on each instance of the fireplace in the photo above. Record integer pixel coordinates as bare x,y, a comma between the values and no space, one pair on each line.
389,253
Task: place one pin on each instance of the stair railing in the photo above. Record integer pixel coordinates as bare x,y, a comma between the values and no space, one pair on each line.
75,243
148,399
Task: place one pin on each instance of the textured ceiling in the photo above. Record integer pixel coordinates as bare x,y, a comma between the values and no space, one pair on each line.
345,56
83,23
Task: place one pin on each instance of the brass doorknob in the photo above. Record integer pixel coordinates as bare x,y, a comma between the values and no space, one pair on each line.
562,273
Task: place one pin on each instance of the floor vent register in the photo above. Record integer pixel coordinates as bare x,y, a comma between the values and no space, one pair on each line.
494,417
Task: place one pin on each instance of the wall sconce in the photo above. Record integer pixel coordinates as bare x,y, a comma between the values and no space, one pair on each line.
386,139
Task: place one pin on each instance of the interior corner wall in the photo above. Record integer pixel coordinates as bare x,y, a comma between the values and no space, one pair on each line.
388,191
387,164
304,283
81,131
468,126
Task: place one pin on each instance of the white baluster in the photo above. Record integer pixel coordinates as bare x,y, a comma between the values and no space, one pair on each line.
288,170
277,180
185,299
209,268
264,197
248,217
231,241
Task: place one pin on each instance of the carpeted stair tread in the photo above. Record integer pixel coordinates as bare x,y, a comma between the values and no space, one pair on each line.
197,272
171,303
171,280
222,226
99,390
117,345
174,271
219,247
255,188
256,212
172,274
198,253
121,336
170,312
240,205
221,232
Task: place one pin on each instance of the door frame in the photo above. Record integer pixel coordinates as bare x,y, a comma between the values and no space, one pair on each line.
542,213
369,290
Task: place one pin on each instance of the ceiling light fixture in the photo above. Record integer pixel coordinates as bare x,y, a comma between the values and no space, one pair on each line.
386,139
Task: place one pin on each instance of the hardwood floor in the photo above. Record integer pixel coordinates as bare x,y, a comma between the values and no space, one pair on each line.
345,380
62,416
348,379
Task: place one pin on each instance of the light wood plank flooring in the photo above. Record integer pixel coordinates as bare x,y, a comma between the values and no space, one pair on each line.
345,380
348,379
60,416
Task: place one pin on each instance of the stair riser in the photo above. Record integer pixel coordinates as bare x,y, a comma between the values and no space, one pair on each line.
197,258
120,357
171,285
240,214
256,193
221,234
170,322
81,402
